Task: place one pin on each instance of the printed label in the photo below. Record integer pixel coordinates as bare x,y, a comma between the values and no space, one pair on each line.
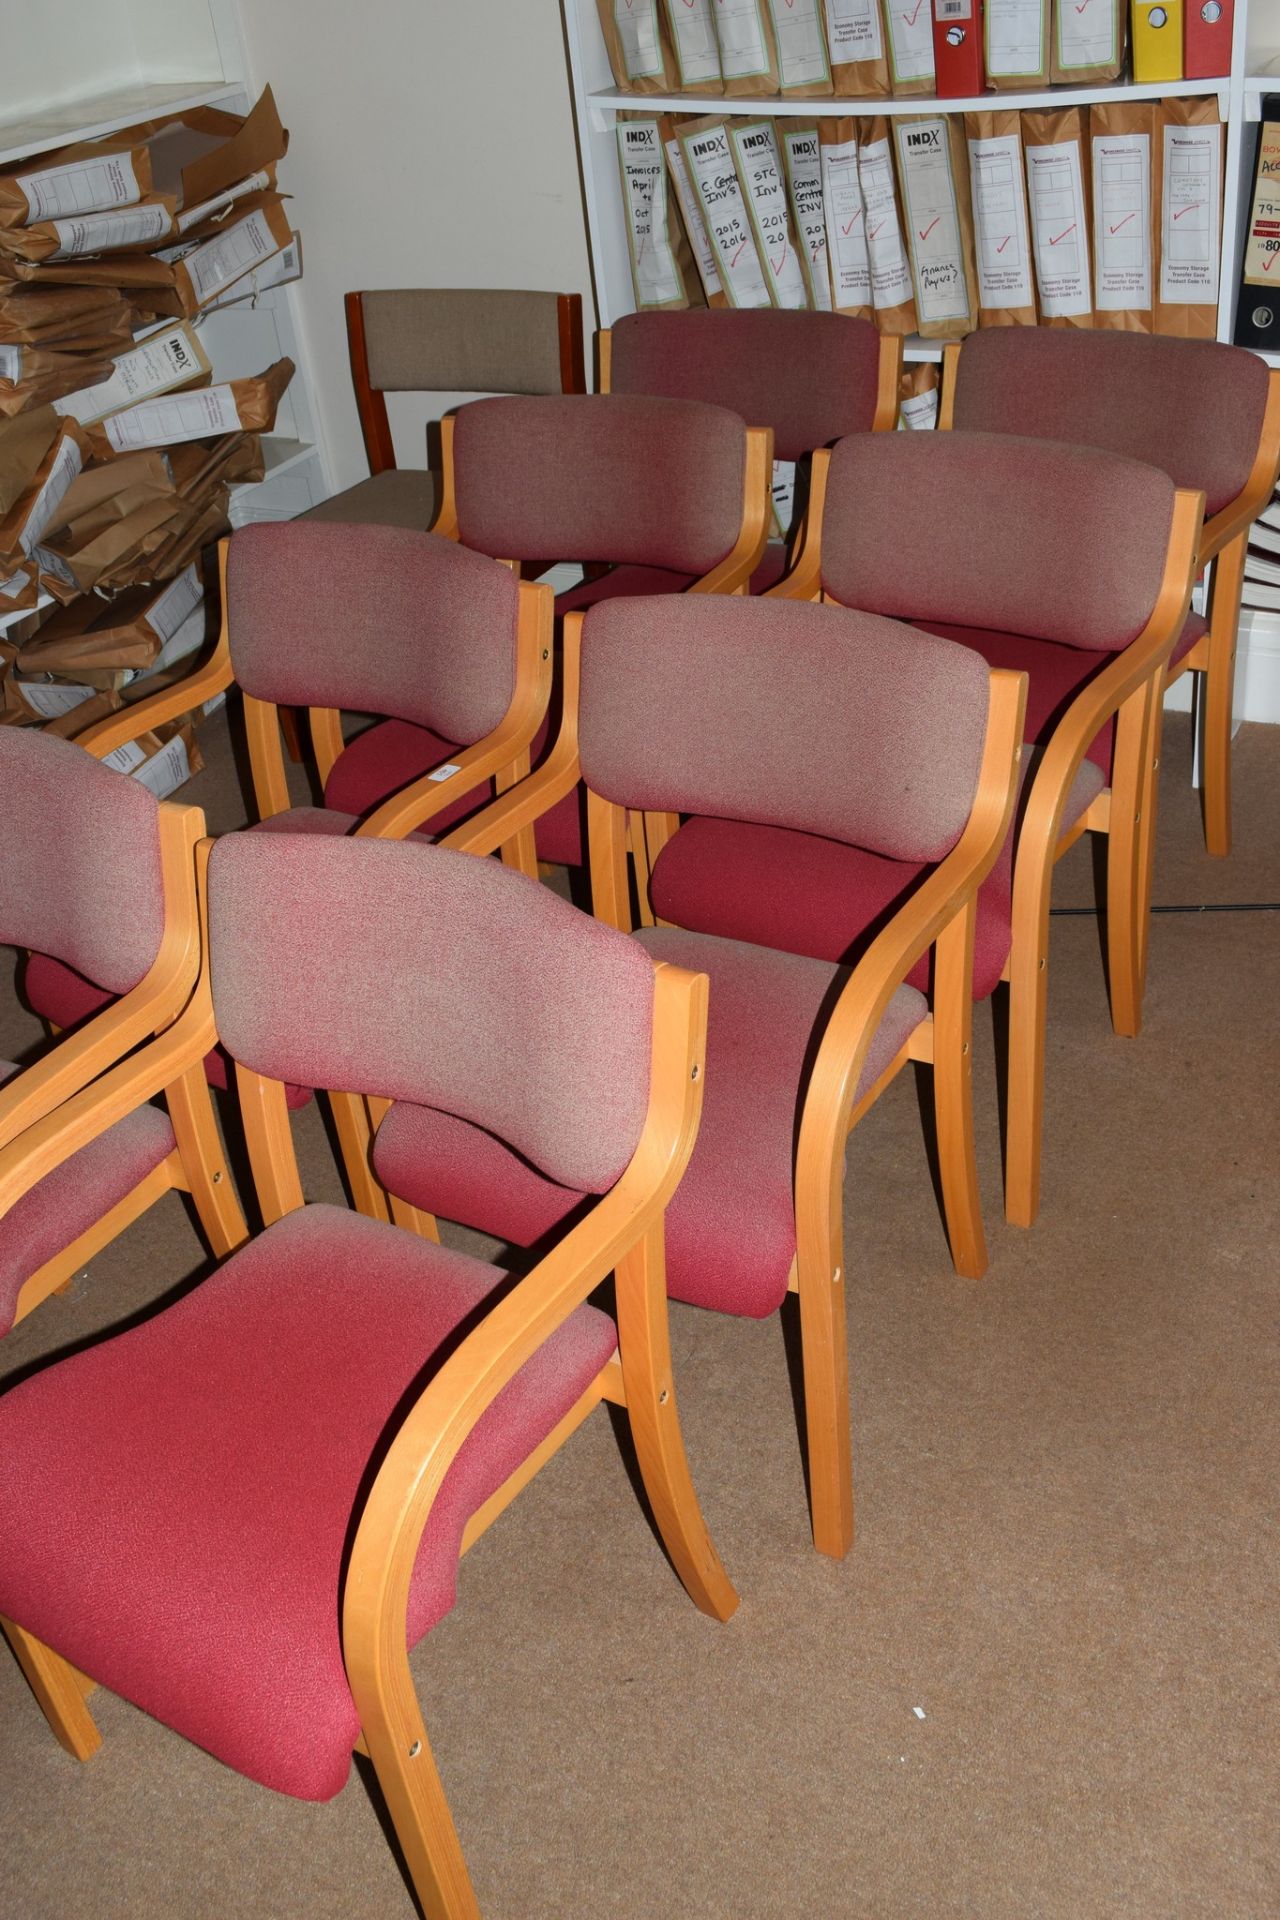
846,226
803,161
783,492
920,412
66,465
54,565
101,232
163,360
1000,221
757,156
933,220
695,225
1263,244
1015,36
853,29
281,267
802,46
179,416
694,34
1088,35
719,193
1189,216
165,771
890,271
1122,221
17,583
910,39
637,24
644,185
445,772
1056,193
740,32
83,186
228,255
166,613
10,363
52,698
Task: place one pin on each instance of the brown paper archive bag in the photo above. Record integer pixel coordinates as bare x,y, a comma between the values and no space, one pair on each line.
713,178
892,294
1087,44
120,229
254,230
35,506
663,275
105,644
858,48
207,158
918,394
1187,177
695,227
229,407
802,164
695,51
33,377
748,54
1055,146
758,161
1015,44
1126,250
1001,229
636,42
909,44
800,36
49,316
91,177
933,170
848,260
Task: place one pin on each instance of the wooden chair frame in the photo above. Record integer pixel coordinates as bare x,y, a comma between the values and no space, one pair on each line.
1129,689
1223,543
371,404
622,1233
941,915
197,1165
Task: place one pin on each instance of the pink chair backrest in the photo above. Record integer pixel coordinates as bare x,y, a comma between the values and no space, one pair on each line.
600,477
424,975
983,530
812,377
1193,408
784,714
374,619
80,875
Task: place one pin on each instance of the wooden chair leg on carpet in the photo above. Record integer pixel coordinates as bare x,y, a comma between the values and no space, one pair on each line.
1150,804
953,1093
1219,692
1028,1002
396,1742
204,1163
59,1689
645,1351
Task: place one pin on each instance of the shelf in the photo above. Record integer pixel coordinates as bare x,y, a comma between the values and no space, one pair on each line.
91,116
278,455
916,349
612,99
8,620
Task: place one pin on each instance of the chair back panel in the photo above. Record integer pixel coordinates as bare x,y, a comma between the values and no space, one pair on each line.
983,530
812,377
80,874
379,620
462,340
1193,408
407,971
600,477
784,714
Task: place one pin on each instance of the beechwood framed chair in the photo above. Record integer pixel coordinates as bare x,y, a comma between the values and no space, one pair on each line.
954,534
1207,414
678,711
811,378
341,1410
98,876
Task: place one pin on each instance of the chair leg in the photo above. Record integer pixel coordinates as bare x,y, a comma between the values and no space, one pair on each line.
291,728
953,1093
1128,847
645,1351
1149,807
1219,693
520,852
639,849
825,1359
204,1163
351,1119
1028,1001
59,1689
410,1781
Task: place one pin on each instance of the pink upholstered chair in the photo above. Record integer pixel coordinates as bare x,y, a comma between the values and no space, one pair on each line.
801,720
1070,564
662,496
811,378
298,1451
98,878
1208,415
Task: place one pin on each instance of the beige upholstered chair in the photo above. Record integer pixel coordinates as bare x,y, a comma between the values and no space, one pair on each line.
445,340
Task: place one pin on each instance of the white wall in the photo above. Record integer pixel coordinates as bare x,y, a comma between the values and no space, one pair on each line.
431,146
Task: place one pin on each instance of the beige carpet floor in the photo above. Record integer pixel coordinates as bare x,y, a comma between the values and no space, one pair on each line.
1044,1684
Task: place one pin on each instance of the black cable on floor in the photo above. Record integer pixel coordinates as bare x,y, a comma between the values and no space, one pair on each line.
1238,906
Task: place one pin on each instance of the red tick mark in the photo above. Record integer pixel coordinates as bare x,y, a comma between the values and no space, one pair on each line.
1053,240
932,224
1004,243
874,231
777,264
852,224
1125,222
911,18
1191,209
738,255
1081,8
1268,264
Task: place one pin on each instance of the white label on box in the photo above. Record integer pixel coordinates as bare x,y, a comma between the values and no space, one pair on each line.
1089,35
695,226
694,34
275,272
853,29
1000,221
207,208
54,565
846,226
783,491
161,361
1122,221
228,255
724,210
740,31
910,40
933,220
1015,36
16,584
66,465
83,186
802,45
10,363
890,269
445,772
99,232
804,177
1058,227
757,155
644,193
188,638
920,412
176,417
168,611
637,24
52,698
165,771
1189,216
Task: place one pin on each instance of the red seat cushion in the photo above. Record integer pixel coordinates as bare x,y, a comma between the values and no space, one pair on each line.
178,1502
64,997
68,1201
731,1234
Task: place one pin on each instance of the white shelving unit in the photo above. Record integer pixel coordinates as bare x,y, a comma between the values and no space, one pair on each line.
1255,46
